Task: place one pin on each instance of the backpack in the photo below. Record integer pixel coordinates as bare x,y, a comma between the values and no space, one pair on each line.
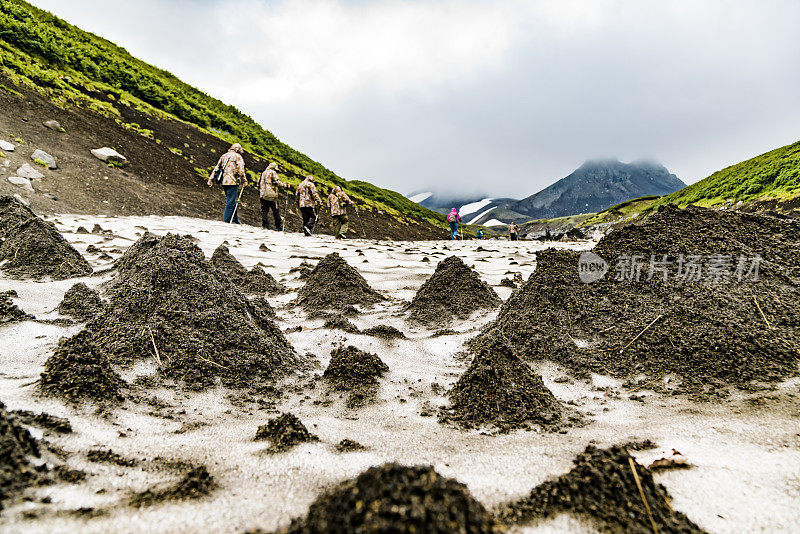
453,217
219,172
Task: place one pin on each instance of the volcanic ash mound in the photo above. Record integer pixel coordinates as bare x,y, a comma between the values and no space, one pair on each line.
454,290
335,285
32,248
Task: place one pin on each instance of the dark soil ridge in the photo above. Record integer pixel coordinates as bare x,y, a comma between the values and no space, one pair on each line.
81,303
500,390
710,336
284,432
356,372
601,485
168,303
335,285
255,280
194,484
32,248
10,312
17,446
398,499
454,290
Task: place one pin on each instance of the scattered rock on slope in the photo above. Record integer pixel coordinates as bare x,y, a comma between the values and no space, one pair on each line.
81,302
399,499
42,156
109,155
33,248
601,485
27,171
167,302
253,281
500,390
454,290
334,284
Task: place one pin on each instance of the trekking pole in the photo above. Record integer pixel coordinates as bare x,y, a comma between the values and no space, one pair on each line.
358,216
286,212
233,216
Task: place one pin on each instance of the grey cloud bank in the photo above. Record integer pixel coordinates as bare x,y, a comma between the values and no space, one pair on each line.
503,97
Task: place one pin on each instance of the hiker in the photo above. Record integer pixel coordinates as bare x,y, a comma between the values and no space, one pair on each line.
229,173
454,218
479,234
513,231
268,193
308,198
338,202
547,233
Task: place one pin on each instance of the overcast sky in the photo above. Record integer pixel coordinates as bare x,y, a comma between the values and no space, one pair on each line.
503,97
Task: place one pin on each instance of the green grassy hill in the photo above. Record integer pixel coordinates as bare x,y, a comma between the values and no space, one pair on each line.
774,175
72,67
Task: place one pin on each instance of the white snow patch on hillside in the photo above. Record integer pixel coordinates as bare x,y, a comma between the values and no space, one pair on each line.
420,197
473,207
480,215
494,222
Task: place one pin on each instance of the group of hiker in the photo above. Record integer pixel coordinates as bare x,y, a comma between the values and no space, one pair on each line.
229,172
453,218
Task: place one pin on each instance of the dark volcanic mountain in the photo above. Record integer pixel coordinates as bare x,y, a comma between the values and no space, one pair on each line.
597,185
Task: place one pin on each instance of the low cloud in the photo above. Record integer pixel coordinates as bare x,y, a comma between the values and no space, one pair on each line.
498,96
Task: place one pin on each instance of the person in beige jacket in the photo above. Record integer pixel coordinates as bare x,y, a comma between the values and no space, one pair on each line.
233,176
338,202
268,192
308,198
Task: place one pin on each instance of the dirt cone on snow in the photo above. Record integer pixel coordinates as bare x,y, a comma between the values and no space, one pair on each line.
499,389
454,290
710,334
253,281
334,284
601,485
168,303
32,248
399,499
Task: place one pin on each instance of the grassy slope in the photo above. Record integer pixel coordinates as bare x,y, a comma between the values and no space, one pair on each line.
621,211
67,64
773,175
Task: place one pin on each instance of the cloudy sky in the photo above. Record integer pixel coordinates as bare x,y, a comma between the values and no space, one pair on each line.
503,97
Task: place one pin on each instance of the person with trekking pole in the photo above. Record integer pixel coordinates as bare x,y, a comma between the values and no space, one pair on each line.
453,218
338,202
268,193
229,173
308,198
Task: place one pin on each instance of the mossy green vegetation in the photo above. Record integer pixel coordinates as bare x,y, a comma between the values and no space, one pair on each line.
774,175
623,210
76,68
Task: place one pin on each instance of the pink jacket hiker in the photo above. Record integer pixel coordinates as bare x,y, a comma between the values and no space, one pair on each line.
234,166
454,216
